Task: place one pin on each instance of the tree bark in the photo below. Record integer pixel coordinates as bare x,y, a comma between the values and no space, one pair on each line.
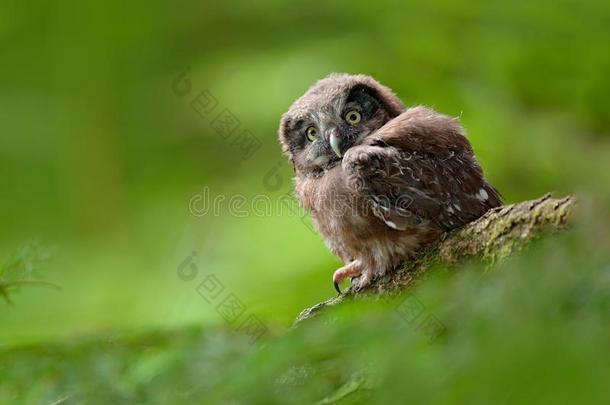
494,236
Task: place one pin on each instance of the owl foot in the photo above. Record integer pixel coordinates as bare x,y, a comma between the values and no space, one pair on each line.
362,281
361,277
350,270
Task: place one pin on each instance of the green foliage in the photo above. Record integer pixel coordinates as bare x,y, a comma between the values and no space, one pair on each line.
533,330
20,270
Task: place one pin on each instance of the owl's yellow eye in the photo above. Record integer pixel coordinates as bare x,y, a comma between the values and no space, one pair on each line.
312,133
353,117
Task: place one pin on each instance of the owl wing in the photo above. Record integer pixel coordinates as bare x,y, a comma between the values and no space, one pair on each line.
419,170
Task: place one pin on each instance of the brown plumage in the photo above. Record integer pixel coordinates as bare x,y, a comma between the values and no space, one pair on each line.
380,182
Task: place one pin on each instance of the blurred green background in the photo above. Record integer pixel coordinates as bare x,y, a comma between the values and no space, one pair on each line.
100,155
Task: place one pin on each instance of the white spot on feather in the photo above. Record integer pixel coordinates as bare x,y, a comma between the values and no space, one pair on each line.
390,224
482,196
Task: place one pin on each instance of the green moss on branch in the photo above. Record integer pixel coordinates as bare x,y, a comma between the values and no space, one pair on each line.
494,236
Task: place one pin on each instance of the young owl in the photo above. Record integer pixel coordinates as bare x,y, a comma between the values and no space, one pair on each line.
380,181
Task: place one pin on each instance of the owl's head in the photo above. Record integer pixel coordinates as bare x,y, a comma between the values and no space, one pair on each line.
336,113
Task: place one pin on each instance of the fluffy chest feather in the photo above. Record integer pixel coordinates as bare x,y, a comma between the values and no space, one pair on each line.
344,218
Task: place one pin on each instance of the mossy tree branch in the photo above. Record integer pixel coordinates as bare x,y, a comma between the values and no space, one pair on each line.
494,236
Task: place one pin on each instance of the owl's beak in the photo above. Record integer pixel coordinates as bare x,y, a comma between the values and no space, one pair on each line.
336,141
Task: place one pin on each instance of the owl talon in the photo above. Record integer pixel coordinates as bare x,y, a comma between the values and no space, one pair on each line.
350,270
337,287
